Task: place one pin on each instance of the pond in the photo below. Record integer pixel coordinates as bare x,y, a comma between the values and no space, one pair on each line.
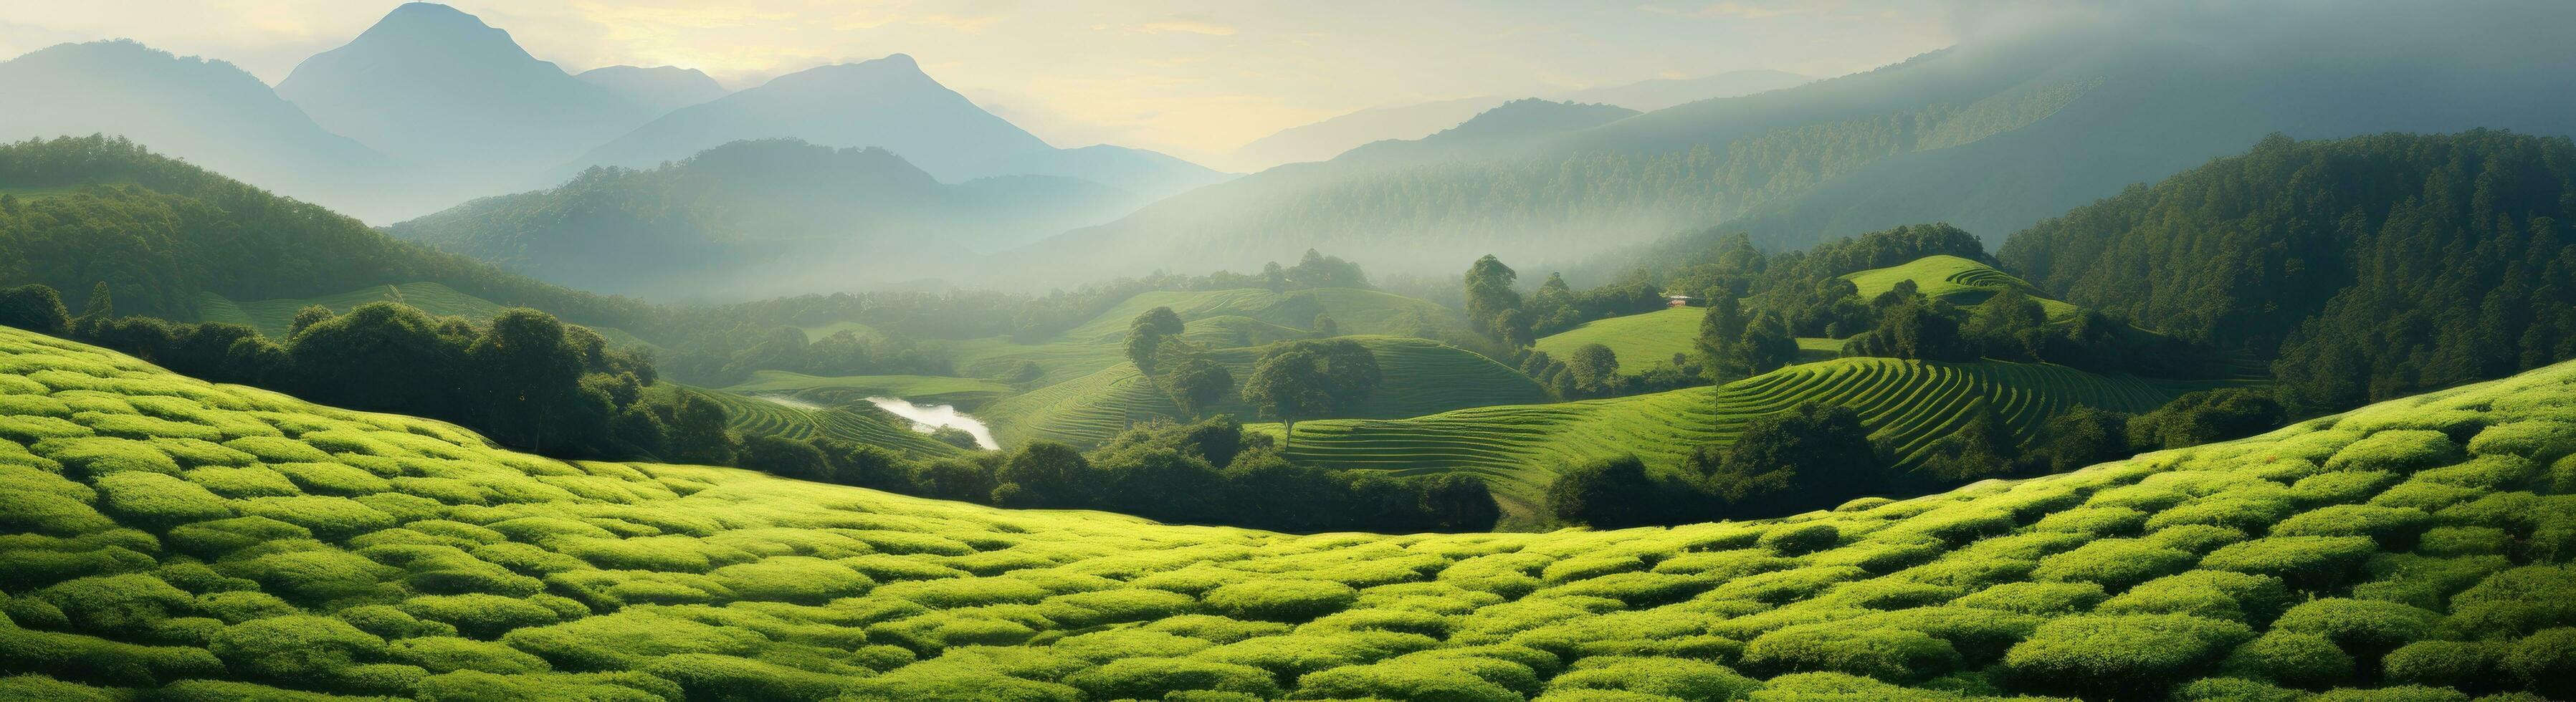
928,417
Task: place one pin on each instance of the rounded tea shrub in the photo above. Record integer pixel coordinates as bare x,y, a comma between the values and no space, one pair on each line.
1677,678
2120,656
2291,659
1796,539
156,500
2455,664
2115,564
2366,628
2036,598
1281,600
2313,563
2395,528
1894,655
295,647
2397,450
1153,678
2544,662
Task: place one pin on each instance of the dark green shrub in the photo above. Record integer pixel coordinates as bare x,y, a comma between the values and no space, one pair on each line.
330,518
34,686
800,579
474,685
2248,514
2291,659
2115,564
128,604
711,676
2466,665
1894,655
92,659
2235,690
2119,656
2395,528
2544,662
2095,521
2392,694
390,623
243,605
1980,636
2313,563
1456,678
2341,487
2194,538
2366,628
628,639
1217,629
312,576
2464,541
2516,602
1281,600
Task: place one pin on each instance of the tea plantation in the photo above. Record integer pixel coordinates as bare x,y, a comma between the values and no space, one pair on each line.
171,539
1957,280
1218,319
1906,404
783,415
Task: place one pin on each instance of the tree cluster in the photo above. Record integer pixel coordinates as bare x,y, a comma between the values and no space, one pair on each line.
1302,379
1810,457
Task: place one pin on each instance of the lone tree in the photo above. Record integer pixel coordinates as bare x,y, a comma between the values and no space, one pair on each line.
1492,304
1595,368
1146,334
1608,493
1719,329
35,308
101,304
1811,455
1196,383
1307,378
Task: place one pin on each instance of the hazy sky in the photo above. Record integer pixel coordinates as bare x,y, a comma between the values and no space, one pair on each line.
1190,77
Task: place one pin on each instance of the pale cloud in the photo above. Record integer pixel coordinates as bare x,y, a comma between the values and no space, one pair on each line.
1189,77
1189,26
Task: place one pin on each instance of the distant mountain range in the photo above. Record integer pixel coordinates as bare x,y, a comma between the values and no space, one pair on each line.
430,107
760,218
1991,135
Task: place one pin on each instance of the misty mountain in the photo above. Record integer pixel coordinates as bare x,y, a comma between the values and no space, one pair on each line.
757,218
208,112
443,90
889,103
1507,126
1329,138
1660,93
1992,135
660,89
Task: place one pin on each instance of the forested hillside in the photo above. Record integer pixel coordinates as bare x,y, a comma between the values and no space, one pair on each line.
2369,267
764,218
1992,135
76,212
195,541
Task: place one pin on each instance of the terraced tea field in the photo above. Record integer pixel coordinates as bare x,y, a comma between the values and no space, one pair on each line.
1960,281
785,415
169,539
1641,341
1421,377
1906,404
272,317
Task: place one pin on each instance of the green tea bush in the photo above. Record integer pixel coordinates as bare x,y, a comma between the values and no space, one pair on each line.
2194,538
2312,563
250,481
1294,655
96,660
2392,694
1153,678
1116,644
2037,598
32,686
129,604
2516,602
2464,541
2397,451
389,622
706,675
295,648
445,654
2291,659
332,479
2366,628
2427,496
626,639
478,615
1209,627
330,518
1715,564
312,576
1281,600
2115,564
2395,528
157,500
1464,679
965,592
1894,655
96,456
1980,636
2239,513
1798,539
2209,594
1675,678
2535,439
2341,487
1637,590
2465,665
2095,521
240,606
801,579
471,685
2544,662
2122,656
1089,609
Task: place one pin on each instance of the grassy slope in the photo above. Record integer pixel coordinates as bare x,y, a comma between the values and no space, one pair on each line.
1961,281
1518,449
1641,341
271,317
787,415
642,581
1218,317
1421,377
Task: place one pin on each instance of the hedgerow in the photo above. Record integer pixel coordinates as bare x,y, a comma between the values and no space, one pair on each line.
394,558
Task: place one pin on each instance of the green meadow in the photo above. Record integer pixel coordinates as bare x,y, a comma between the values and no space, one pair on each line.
1906,404
180,540
1640,341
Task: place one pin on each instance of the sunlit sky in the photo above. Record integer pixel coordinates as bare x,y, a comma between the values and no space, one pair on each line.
1190,77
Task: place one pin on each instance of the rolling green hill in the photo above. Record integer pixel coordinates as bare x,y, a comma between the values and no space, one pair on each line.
209,542
1421,377
272,317
1640,341
1906,404
1960,281
786,415
964,393
1219,318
